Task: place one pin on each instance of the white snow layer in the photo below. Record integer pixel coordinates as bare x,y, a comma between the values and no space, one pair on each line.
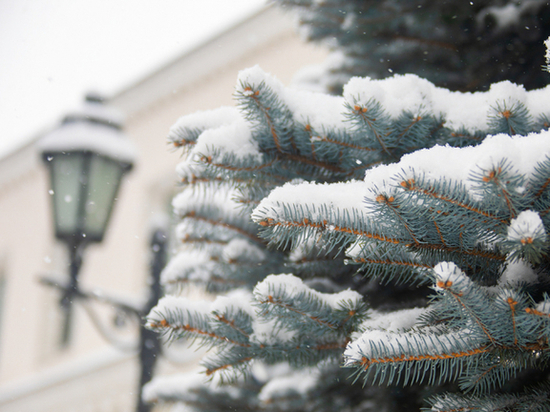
436,164
528,225
448,274
206,119
518,273
92,127
87,136
459,110
319,110
300,382
234,138
458,164
294,286
190,200
376,344
196,264
231,133
395,321
173,385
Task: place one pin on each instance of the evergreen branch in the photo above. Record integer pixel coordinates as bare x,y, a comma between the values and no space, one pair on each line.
535,312
409,358
264,110
231,323
436,128
163,324
532,399
467,136
367,363
280,303
361,111
439,233
543,187
344,144
410,185
446,285
208,160
402,133
312,162
331,346
187,239
493,177
392,262
306,223
211,371
226,225
512,303
483,254
183,142
388,202
282,155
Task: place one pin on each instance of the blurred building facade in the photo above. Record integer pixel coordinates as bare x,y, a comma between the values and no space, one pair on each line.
90,375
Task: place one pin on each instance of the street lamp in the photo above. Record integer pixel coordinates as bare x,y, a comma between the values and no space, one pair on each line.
86,157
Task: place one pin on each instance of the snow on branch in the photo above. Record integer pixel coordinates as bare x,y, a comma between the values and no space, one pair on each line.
405,206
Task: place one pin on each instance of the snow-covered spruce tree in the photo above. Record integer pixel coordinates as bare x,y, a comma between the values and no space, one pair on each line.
457,44
425,275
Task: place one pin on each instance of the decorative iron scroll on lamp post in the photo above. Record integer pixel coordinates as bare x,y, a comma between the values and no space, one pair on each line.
87,156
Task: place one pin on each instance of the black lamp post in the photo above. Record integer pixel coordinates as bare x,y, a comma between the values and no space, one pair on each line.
86,157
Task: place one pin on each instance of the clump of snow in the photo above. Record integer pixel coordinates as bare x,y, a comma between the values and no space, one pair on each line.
190,200
94,127
331,196
240,299
195,264
241,249
395,321
547,55
517,273
318,110
543,306
528,225
170,306
395,94
96,111
172,386
234,138
294,286
202,120
457,164
166,386
448,274
270,332
87,136
505,16
255,76
300,382
471,111
302,249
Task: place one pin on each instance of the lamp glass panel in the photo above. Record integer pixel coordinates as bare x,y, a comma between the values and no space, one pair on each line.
103,180
66,182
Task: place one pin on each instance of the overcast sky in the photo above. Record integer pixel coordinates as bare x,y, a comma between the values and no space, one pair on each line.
53,51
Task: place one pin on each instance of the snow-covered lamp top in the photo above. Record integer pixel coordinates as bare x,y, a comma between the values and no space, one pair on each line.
94,127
